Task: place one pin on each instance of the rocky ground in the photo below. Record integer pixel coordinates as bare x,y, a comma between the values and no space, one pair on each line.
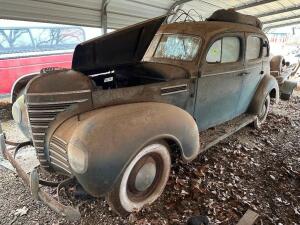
253,169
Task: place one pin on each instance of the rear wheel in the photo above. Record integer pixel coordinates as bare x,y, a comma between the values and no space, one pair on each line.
261,117
143,181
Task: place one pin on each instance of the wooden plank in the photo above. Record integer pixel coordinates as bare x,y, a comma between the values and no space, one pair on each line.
248,218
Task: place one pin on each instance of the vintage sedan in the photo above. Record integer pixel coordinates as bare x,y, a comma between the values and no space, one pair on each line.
136,96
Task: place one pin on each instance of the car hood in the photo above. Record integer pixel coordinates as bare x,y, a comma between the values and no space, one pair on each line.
122,47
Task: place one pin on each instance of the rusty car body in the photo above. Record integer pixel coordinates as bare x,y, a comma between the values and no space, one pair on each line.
135,96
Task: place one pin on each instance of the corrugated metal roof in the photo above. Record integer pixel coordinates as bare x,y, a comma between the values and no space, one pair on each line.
121,13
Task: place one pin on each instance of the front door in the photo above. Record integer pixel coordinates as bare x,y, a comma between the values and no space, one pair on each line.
253,70
220,83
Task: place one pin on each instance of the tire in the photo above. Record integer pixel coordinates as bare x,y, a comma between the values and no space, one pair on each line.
261,117
143,180
285,96
277,63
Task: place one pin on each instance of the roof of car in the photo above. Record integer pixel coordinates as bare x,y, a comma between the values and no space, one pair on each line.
208,28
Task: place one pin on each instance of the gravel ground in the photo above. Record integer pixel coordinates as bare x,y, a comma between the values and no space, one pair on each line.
253,169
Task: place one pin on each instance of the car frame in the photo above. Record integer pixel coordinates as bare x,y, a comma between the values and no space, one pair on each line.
114,120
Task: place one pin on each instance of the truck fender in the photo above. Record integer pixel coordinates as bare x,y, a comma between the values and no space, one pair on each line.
112,136
268,85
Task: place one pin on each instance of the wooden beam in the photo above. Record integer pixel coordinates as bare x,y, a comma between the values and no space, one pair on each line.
248,218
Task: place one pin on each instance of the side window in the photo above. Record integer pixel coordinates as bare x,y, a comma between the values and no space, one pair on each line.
253,47
4,44
21,39
225,50
230,49
42,37
214,52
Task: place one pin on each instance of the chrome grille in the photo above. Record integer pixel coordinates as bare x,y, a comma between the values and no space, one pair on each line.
41,114
58,154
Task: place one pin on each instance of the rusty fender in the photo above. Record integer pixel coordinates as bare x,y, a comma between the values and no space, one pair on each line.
112,136
268,85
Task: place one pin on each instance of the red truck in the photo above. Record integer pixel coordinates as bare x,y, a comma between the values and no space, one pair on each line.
25,50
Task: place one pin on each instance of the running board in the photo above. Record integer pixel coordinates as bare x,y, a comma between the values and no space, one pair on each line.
213,136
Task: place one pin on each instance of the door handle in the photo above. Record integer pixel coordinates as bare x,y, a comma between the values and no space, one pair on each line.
244,73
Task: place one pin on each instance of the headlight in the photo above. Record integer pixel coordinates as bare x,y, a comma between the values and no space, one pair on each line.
78,158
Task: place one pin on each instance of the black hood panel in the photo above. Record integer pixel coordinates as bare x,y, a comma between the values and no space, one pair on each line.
122,47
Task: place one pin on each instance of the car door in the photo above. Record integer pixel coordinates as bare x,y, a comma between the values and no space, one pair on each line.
219,86
253,70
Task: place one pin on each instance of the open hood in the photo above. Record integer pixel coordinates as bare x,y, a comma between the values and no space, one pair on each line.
125,46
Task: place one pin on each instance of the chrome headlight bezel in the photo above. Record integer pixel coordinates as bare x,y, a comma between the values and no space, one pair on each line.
78,158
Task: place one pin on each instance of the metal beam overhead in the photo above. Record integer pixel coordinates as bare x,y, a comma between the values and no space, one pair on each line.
282,25
279,11
282,19
253,4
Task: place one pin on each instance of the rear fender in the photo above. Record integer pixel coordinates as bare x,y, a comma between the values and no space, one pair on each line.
112,136
268,85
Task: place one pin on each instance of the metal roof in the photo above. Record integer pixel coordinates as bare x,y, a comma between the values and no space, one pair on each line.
120,13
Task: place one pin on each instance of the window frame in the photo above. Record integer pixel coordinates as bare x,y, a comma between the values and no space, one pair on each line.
239,37
266,42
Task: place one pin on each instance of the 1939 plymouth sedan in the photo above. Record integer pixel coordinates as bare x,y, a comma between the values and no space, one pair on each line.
136,95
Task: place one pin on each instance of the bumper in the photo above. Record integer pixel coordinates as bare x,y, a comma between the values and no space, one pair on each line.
32,182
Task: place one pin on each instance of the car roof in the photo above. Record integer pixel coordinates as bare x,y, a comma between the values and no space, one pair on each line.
208,28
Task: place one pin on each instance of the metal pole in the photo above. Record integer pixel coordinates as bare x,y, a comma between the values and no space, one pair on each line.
173,6
2,142
104,16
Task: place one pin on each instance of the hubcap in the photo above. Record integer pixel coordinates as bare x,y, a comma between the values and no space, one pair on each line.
145,176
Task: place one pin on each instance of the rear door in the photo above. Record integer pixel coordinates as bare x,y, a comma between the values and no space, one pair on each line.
253,69
219,87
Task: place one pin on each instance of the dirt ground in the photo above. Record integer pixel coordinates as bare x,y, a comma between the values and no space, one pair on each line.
253,169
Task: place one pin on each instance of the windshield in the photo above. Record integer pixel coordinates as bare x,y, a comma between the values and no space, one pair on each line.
178,47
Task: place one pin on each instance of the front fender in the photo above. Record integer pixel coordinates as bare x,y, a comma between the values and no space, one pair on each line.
268,85
112,136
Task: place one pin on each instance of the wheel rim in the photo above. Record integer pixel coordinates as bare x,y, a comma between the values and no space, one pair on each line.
145,175
145,178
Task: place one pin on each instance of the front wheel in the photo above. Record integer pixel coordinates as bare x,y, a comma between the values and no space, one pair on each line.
143,181
261,117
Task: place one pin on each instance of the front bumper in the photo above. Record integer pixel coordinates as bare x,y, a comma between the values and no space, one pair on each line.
32,181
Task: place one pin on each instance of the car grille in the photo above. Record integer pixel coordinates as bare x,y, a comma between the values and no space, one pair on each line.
41,114
58,154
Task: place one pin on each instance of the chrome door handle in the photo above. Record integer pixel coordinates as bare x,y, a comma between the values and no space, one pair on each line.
244,73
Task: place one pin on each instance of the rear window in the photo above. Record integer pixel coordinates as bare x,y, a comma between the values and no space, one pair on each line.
177,47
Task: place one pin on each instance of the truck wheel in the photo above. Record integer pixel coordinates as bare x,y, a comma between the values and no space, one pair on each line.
143,181
261,117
